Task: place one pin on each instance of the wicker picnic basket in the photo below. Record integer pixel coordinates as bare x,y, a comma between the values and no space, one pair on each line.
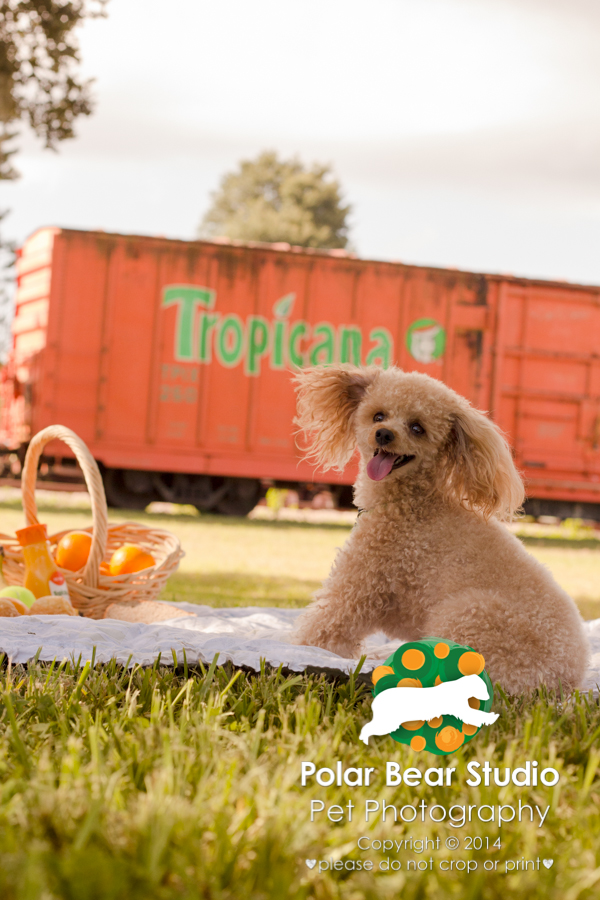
91,592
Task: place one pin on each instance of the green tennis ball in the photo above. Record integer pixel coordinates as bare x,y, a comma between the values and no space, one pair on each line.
18,593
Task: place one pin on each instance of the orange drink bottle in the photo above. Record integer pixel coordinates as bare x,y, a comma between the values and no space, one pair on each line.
41,575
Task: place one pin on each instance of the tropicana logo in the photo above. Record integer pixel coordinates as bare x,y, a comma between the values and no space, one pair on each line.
284,343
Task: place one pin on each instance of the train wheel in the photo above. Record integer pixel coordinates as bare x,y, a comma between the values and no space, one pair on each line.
179,487
240,497
128,489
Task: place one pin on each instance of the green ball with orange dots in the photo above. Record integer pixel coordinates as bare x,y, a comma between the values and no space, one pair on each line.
427,663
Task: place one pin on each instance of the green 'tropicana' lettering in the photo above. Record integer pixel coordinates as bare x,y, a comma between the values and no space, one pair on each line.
298,331
230,341
381,353
199,333
187,298
277,360
207,324
323,352
350,344
258,343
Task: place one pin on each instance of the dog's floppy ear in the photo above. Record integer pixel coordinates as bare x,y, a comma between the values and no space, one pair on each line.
328,397
479,470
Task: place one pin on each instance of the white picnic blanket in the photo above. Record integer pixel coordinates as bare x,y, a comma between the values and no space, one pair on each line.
244,635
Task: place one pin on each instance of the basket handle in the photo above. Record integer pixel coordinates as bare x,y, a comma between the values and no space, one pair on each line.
94,484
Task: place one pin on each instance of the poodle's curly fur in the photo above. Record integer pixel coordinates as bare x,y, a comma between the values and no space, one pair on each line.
429,555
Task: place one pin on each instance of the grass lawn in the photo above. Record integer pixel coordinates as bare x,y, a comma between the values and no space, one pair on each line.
260,562
152,783
158,784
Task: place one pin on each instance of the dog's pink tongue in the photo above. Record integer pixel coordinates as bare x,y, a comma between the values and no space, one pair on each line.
381,465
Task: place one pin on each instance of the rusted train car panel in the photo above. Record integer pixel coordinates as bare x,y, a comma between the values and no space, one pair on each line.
175,357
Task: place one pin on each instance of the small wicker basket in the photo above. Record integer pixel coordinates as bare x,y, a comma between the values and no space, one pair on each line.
90,591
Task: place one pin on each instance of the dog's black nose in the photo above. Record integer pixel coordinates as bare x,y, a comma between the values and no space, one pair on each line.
384,436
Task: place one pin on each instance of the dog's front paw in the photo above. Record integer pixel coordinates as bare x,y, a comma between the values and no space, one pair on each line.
346,649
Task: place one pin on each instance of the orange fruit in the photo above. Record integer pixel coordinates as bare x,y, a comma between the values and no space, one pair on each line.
52,606
104,568
73,550
130,558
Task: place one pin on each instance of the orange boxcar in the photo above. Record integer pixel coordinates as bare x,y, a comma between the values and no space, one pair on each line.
172,360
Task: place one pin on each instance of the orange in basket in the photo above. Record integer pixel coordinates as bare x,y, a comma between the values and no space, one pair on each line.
130,558
73,550
91,588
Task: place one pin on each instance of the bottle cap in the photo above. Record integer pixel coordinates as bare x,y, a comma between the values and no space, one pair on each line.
33,534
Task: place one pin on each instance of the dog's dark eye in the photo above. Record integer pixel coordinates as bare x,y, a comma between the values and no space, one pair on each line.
379,417
417,429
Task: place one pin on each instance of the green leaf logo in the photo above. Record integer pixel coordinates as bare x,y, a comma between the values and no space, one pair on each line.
283,307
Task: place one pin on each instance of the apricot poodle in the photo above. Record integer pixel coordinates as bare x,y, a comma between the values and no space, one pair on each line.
428,555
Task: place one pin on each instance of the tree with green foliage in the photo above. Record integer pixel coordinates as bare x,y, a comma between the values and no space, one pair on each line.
39,81
269,199
39,84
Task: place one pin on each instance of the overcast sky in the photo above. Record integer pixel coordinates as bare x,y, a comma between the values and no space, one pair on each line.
464,132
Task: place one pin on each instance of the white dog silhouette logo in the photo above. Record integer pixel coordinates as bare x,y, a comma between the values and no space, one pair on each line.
398,705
